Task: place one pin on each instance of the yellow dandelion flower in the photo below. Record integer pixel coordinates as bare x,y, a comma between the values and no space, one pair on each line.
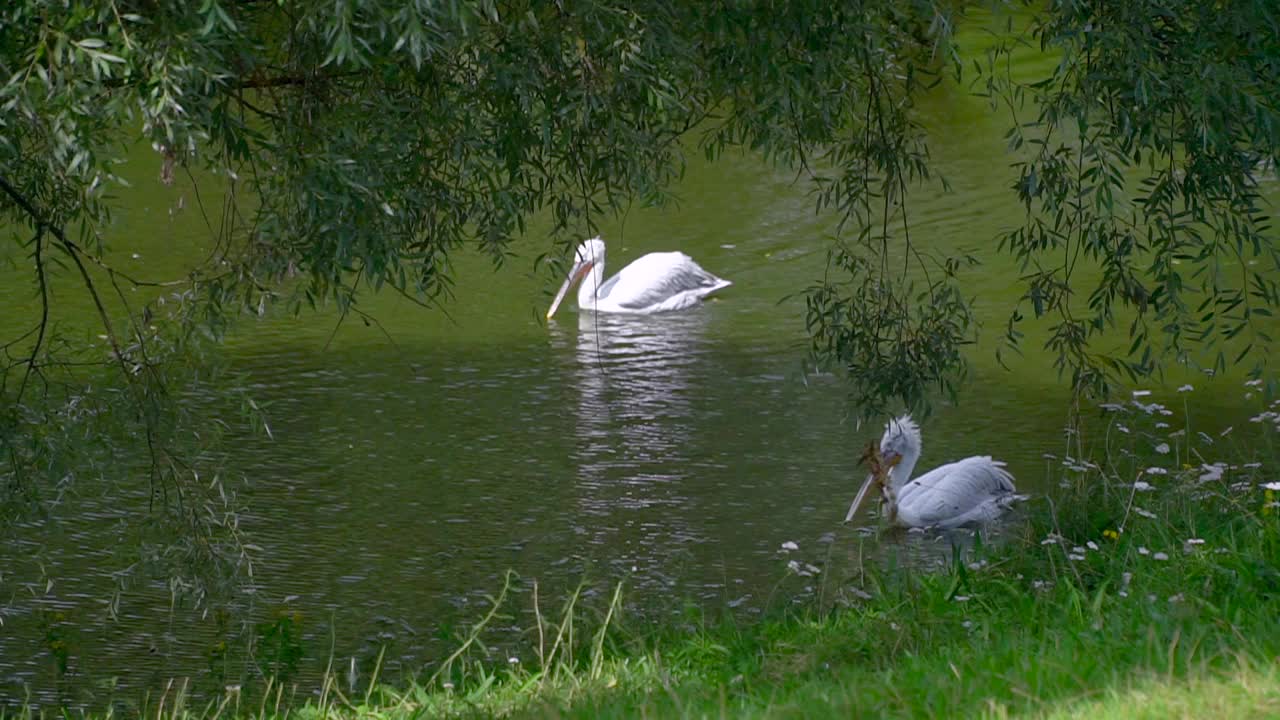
1111,534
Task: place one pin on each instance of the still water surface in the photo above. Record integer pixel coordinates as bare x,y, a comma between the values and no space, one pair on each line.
406,474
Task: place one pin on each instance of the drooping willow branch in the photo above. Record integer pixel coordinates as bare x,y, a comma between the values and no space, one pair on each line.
38,253
76,253
73,251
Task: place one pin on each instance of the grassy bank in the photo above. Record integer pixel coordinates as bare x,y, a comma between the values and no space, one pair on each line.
1147,585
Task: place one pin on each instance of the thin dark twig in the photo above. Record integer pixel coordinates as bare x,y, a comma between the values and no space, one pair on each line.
20,338
349,306
423,304
38,253
264,113
289,80
75,252
378,324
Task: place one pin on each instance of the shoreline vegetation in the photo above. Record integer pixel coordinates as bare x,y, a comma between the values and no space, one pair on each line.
1147,585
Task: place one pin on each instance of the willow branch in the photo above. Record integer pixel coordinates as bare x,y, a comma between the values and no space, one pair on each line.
38,253
73,250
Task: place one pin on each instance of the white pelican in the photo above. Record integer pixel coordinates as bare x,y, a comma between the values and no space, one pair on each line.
656,282
969,491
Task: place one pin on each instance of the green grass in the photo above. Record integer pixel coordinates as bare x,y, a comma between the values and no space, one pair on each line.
1109,600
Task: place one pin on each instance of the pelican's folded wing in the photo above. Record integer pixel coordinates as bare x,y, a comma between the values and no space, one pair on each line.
656,279
957,493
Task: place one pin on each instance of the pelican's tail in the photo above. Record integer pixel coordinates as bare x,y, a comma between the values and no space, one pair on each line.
720,284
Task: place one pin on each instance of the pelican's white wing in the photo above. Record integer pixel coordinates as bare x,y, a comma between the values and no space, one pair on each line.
972,490
657,282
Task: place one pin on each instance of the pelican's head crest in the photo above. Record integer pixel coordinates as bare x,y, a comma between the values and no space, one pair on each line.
901,438
591,251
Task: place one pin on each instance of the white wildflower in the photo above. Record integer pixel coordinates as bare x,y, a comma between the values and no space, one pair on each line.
961,598
1077,549
1075,556
1252,465
1272,486
1143,512
1162,425
1163,448
1122,428
1253,383
1141,393
1143,486
1212,473
1176,598
812,569
793,566
1156,471
1092,545
1143,551
788,545
1226,432
1160,556
513,660
1185,388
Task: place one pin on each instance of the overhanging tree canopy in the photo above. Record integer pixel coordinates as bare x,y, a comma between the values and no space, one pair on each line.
373,138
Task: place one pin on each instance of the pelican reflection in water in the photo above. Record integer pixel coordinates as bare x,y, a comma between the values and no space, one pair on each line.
657,282
966,492
635,384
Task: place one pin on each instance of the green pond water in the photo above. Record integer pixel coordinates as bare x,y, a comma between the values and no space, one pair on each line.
405,476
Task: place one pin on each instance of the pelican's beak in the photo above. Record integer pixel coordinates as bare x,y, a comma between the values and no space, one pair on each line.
579,271
862,495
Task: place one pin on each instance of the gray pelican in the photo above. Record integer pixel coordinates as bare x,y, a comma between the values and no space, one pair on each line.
969,491
656,282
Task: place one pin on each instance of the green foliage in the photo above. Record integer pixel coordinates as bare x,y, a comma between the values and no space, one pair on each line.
361,143
1107,597
1145,150
364,142
279,646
